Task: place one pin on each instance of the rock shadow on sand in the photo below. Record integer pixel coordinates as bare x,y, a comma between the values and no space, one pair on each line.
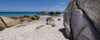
62,30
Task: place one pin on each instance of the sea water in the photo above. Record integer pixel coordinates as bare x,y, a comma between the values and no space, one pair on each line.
18,14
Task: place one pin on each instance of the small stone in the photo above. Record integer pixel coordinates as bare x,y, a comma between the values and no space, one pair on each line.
59,19
35,17
40,26
49,19
53,25
46,23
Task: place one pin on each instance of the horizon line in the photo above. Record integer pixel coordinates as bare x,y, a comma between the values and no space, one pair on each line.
30,11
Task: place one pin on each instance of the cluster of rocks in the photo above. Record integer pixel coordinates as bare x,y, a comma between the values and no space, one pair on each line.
27,18
49,21
52,13
9,22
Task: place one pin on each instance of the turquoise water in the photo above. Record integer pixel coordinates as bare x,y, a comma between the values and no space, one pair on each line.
18,14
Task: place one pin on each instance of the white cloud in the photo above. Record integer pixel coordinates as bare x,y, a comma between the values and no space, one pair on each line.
62,3
58,8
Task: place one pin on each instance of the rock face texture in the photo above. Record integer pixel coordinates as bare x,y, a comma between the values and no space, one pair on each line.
2,26
7,22
82,20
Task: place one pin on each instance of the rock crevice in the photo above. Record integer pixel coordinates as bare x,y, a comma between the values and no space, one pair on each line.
81,20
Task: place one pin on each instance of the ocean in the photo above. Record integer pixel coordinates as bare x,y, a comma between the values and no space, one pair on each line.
18,14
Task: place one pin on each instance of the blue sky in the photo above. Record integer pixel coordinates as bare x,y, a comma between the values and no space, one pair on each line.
32,5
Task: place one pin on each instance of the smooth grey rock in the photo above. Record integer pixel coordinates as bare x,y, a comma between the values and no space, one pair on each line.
82,20
67,16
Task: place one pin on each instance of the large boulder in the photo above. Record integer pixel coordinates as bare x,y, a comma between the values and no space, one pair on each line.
35,17
8,22
82,20
44,12
2,25
52,13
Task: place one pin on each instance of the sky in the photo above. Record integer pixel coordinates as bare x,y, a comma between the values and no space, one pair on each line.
32,5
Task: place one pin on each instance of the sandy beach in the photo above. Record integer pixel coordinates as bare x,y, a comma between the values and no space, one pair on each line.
30,31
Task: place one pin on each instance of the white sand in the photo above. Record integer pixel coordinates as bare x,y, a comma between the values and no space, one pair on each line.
28,31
